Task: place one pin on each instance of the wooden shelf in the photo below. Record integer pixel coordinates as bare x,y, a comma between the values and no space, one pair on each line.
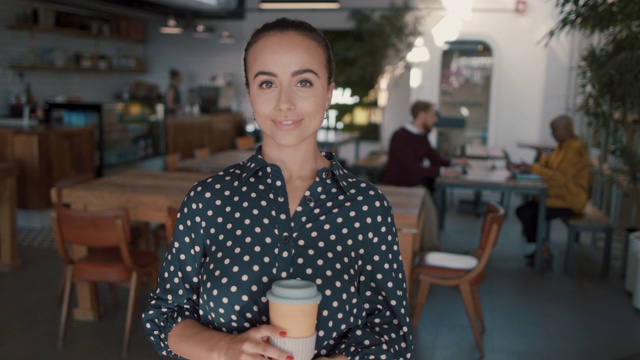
52,68
73,33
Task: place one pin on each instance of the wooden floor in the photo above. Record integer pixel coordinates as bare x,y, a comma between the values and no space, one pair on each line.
529,316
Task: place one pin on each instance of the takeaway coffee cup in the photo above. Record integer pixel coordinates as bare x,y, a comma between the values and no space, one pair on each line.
293,306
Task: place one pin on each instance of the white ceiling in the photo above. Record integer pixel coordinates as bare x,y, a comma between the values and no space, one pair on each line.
235,9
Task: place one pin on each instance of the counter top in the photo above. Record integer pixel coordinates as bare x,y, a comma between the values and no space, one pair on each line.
35,127
16,122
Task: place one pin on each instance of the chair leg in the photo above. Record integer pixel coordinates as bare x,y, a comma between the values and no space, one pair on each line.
63,280
420,298
476,303
606,256
568,254
467,298
133,290
66,297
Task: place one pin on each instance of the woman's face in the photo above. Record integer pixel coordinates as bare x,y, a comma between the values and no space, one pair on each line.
288,87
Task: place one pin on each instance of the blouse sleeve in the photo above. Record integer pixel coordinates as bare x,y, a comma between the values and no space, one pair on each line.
176,298
386,334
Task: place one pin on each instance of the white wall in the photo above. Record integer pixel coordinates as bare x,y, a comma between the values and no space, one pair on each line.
530,81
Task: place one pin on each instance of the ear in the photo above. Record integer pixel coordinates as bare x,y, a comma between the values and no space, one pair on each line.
329,94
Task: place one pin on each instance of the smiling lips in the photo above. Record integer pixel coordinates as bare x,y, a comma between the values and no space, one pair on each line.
286,123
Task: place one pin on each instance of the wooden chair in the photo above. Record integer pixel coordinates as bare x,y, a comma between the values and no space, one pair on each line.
201,152
244,142
171,161
107,236
164,232
463,271
56,197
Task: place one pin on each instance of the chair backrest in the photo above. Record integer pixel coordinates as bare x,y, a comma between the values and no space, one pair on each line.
171,161
244,142
494,216
201,152
91,228
427,225
56,194
171,222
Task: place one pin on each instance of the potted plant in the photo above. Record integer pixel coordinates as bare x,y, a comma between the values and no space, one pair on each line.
379,38
609,78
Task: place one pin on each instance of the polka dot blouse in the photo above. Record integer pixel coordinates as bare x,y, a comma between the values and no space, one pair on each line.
234,237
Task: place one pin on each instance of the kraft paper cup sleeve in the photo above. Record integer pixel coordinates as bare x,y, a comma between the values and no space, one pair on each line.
300,348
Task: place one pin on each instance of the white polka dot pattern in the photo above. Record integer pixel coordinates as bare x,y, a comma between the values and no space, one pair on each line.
234,237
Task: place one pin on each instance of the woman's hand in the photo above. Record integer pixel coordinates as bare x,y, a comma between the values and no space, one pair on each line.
192,340
254,344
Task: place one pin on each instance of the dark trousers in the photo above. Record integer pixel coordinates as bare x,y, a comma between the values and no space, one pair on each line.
528,215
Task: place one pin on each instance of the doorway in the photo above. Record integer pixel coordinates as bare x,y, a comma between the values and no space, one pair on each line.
465,81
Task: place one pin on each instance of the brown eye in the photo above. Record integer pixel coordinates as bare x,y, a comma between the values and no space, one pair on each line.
266,85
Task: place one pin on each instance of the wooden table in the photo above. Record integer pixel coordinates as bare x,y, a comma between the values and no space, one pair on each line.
8,202
482,152
406,203
215,162
146,194
486,178
482,157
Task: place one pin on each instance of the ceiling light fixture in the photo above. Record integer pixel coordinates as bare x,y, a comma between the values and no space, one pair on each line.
226,38
203,31
298,5
171,27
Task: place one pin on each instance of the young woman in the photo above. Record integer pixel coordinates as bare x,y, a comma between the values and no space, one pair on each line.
287,212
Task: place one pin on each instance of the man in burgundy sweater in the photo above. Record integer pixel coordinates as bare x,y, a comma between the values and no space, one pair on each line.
412,161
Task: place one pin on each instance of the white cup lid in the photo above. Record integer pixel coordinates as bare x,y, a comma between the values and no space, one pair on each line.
293,291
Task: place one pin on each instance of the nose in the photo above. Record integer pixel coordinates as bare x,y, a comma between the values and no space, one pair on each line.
286,100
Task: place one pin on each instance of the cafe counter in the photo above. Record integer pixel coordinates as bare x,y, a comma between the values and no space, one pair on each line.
44,155
214,131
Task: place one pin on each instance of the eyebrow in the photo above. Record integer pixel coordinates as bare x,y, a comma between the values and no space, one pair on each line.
295,73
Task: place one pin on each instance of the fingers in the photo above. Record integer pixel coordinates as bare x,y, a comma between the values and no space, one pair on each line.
268,331
263,347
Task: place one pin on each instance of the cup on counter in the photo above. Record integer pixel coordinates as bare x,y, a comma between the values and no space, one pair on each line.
293,306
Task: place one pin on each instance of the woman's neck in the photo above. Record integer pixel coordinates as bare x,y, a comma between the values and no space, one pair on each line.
296,162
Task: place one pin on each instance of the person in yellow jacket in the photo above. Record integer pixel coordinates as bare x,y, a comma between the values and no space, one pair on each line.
566,172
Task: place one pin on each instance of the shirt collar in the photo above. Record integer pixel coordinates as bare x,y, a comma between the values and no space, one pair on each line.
568,142
412,129
257,162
